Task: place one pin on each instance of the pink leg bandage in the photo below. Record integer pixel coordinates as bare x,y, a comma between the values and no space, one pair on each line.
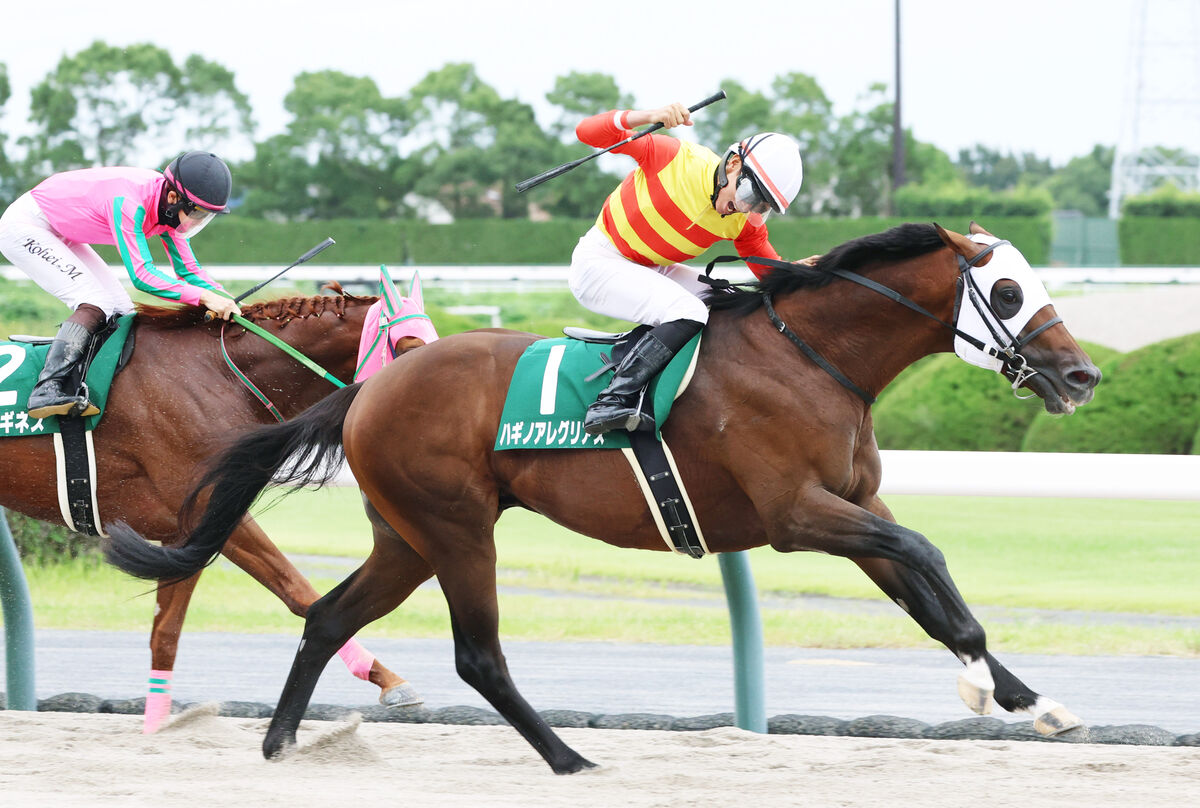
158,701
357,659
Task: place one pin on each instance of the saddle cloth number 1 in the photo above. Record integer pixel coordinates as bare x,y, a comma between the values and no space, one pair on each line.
550,380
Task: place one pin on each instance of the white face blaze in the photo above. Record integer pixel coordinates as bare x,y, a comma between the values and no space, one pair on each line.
1006,262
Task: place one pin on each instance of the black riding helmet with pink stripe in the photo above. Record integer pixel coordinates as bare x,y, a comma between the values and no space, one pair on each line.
204,184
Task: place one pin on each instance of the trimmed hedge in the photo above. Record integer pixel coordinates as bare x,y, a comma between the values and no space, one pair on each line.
1166,200
960,200
236,240
1159,241
27,309
1148,403
942,403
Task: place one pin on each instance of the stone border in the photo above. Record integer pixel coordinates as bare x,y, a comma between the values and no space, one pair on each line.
872,726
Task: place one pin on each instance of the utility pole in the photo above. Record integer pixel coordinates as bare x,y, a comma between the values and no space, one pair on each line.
897,127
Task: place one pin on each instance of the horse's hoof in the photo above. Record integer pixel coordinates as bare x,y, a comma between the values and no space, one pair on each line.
975,688
278,748
158,710
402,695
579,764
1057,721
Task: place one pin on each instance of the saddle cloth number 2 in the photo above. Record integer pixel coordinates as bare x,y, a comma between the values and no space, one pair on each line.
11,357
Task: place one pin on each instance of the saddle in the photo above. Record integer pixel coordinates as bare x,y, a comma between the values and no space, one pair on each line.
554,382
21,361
604,337
20,372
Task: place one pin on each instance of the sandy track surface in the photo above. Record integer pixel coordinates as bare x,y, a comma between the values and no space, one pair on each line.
67,759
1127,320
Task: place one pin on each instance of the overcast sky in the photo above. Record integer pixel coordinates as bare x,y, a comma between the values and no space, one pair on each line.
1045,76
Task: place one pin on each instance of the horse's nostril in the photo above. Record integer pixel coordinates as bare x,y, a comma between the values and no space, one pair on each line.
1088,376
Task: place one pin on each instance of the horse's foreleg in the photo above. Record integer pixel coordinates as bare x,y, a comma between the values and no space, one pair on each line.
170,607
469,583
250,548
387,577
824,522
983,676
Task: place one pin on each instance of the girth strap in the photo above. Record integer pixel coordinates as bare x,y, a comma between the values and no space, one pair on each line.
76,476
665,495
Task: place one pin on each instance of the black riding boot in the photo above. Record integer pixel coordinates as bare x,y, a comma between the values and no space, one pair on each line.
54,393
617,405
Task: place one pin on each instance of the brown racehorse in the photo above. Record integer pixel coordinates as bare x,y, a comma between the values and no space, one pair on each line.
772,448
172,406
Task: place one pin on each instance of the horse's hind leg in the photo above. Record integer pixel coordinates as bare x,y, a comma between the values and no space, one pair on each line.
170,607
984,677
251,549
468,581
385,579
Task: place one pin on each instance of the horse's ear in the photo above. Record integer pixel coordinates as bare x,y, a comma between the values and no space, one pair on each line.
414,291
976,230
946,237
959,243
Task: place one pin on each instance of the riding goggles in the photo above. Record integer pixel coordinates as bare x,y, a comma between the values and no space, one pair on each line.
193,219
750,199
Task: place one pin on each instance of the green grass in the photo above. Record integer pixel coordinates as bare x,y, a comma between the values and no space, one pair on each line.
1094,555
1055,554
80,596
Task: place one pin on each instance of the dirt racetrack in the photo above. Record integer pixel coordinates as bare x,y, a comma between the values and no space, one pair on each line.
70,759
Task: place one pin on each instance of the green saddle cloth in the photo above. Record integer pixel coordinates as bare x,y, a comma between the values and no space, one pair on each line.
548,397
20,364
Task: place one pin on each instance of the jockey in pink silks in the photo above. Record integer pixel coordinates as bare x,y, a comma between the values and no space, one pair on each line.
47,233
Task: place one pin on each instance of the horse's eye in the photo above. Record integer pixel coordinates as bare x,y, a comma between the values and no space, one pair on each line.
1006,298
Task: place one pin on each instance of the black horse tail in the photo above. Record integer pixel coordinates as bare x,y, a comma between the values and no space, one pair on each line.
304,451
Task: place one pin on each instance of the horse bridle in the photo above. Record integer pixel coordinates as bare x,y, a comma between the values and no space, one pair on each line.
1015,366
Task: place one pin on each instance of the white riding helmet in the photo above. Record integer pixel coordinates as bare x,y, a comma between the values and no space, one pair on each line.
772,172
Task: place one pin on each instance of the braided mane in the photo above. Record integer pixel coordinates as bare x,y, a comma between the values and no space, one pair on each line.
284,310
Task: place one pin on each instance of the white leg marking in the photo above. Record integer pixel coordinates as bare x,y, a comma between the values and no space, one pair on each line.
975,686
1051,718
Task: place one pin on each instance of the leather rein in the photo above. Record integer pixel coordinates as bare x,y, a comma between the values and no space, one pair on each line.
281,345
1015,367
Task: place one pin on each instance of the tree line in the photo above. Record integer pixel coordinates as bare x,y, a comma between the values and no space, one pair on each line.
452,143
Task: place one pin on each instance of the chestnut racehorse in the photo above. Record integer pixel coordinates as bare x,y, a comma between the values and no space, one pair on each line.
773,448
171,407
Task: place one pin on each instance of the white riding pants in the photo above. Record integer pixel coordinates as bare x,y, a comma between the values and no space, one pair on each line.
608,283
70,271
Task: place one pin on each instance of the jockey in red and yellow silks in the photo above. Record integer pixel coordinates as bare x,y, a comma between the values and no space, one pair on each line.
679,201
662,213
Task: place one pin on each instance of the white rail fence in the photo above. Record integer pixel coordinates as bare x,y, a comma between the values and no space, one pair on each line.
1037,474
